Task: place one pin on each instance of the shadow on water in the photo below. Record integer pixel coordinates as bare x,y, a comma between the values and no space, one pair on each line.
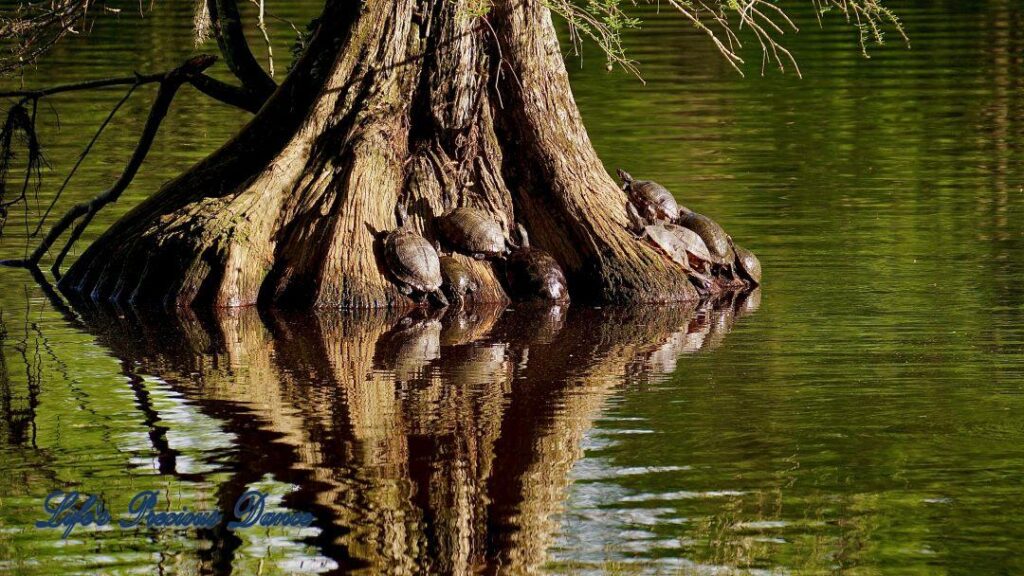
425,443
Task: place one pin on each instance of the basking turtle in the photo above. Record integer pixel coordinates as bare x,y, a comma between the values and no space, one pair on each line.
473,232
699,255
677,246
747,264
458,281
532,274
412,261
718,242
653,200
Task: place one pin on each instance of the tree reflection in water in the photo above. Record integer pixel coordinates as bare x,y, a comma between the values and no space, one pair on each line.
437,442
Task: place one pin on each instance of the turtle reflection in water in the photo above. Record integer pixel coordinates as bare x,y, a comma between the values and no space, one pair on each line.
410,345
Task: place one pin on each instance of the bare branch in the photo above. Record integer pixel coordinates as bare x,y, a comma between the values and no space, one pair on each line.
136,80
227,24
81,158
228,94
261,23
169,86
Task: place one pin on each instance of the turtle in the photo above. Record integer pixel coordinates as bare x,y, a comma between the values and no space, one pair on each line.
699,255
474,232
747,264
457,279
653,200
413,261
718,242
679,247
533,274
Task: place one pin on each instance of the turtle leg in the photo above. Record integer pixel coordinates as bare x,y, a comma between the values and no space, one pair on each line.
651,213
451,294
703,283
695,262
437,297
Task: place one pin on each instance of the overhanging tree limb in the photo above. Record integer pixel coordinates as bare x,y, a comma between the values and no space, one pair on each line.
227,23
221,91
169,85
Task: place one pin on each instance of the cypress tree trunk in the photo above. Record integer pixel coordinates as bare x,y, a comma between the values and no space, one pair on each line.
395,100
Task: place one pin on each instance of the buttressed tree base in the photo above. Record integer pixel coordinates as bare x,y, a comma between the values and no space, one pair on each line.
393,101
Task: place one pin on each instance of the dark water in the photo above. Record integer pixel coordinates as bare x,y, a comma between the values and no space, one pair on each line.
865,414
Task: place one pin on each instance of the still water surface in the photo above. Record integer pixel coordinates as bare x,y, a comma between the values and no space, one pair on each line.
864,415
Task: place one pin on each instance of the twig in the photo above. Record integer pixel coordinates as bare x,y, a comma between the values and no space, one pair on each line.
261,23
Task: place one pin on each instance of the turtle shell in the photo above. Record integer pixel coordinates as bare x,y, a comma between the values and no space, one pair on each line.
412,259
533,274
748,264
695,245
472,231
653,199
669,242
456,276
715,238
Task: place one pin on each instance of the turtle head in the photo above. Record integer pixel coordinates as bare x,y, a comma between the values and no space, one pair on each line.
624,176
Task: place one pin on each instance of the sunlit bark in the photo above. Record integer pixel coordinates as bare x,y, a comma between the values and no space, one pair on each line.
395,101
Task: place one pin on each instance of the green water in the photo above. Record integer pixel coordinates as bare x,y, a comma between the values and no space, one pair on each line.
864,414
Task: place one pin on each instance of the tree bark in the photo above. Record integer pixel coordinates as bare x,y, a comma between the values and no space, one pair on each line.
408,101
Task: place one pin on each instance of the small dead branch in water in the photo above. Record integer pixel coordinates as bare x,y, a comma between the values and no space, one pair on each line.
84,212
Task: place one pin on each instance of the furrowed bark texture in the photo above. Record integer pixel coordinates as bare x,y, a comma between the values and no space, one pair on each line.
408,101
